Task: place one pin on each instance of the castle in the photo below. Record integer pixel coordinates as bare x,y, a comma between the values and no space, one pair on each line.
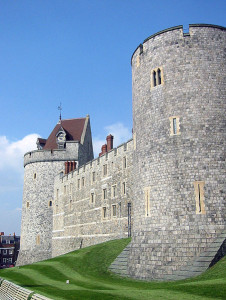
164,187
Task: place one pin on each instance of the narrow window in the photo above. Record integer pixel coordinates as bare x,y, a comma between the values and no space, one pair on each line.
113,210
70,204
104,170
34,175
50,203
93,177
199,197
104,212
78,184
124,188
104,194
57,194
124,163
113,191
159,76
83,181
154,78
27,204
92,198
38,239
174,126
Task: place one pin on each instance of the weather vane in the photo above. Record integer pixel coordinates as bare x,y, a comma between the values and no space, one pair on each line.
60,109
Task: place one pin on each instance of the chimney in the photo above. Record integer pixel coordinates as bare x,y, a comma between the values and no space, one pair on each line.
66,167
104,149
109,142
73,165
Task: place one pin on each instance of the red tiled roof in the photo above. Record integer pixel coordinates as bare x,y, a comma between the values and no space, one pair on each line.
42,141
73,129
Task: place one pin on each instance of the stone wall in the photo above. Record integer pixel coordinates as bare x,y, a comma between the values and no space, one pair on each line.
178,174
78,218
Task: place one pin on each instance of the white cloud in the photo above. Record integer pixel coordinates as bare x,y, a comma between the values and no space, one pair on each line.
121,135
12,153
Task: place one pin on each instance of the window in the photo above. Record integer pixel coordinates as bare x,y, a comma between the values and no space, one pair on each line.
38,239
93,177
123,188
10,260
78,184
4,260
113,191
156,77
34,175
113,210
104,212
147,201
92,198
50,203
104,194
27,204
57,194
10,252
4,252
124,163
174,125
199,197
70,205
83,181
105,170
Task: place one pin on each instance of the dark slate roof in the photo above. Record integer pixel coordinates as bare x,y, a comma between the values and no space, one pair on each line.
73,129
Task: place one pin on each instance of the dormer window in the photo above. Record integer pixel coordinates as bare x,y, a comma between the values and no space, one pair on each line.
61,138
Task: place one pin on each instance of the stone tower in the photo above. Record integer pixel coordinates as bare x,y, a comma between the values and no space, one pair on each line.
179,146
68,146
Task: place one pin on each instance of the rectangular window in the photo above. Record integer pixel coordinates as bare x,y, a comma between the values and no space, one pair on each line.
78,184
123,188
10,260
104,194
83,181
93,177
114,210
113,191
174,125
124,163
57,194
104,212
147,201
27,204
105,170
38,239
92,199
4,252
199,197
10,252
4,260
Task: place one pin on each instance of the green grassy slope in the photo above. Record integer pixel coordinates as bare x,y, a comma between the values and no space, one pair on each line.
87,270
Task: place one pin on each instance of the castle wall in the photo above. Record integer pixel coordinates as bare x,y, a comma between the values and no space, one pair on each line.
178,177
78,219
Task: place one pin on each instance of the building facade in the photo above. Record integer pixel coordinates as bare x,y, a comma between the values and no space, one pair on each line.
9,250
165,186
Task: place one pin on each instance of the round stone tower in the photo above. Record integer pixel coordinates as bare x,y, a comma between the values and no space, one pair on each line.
179,146
69,145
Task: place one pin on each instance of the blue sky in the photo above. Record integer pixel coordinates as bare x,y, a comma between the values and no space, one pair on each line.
76,52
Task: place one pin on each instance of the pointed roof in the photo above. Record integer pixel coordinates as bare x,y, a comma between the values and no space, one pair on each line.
72,127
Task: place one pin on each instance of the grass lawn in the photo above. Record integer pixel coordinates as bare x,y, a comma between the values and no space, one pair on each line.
87,270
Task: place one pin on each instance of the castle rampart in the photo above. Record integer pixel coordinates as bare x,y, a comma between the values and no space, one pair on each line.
91,203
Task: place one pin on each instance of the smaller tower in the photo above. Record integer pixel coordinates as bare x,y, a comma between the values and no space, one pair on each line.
70,142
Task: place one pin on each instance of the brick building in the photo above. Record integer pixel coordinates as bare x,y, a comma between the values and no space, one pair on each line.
9,249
